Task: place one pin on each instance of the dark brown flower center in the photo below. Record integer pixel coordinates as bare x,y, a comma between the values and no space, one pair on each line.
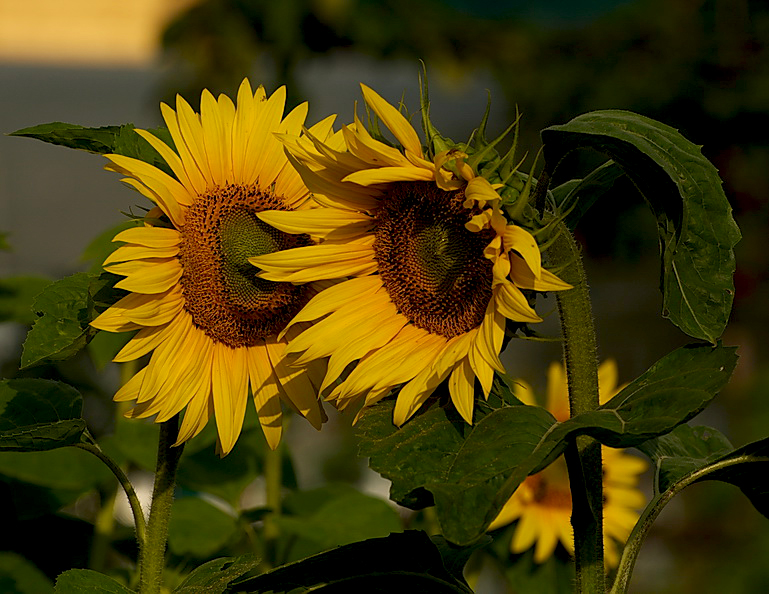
222,292
432,267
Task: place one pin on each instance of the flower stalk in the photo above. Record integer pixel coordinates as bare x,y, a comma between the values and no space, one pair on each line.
583,455
152,554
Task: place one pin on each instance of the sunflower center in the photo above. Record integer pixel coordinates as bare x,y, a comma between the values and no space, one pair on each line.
222,292
432,267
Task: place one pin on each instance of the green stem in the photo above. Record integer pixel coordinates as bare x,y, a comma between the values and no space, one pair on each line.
152,554
133,499
273,478
583,455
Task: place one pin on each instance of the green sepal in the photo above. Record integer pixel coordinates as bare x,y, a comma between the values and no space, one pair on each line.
408,561
38,415
65,309
120,140
696,230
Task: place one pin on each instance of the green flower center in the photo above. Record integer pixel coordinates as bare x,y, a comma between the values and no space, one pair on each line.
222,292
432,267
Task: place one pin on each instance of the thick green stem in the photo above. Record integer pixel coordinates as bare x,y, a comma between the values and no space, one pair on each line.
152,554
583,456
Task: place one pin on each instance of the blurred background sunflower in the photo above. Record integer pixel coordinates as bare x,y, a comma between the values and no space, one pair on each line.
697,65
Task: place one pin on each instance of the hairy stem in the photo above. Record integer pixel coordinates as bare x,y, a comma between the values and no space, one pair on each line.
152,554
583,455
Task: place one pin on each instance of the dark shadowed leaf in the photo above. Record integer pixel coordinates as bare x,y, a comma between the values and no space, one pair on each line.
38,415
577,195
69,469
407,562
472,471
216,576
696,229
19,576
198,528
87,581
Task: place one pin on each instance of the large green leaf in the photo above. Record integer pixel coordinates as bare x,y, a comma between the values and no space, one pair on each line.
87,581
216,576
696,229
198,528
122,140
37,414
682,451
407,561
471,472
65,309
334,515
67,469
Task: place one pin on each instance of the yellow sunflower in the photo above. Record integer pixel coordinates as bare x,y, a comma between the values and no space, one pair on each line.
542,504
431,270
210,323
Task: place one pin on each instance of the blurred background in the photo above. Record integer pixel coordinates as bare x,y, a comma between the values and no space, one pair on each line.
701,66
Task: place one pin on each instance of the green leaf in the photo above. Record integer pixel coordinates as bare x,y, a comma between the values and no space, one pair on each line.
4,245
38,415
121,140
19,576
134,441
87,581
66,308
198,528
695,224
16,296
682,451
69,469
216,576
669,393
334,515
472,471
406,561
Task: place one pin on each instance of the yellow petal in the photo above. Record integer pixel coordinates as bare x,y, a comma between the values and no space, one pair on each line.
197,182
462,390
394,120
215,139
266,393
147,276
170,157
523,277
136,252
157,237
383,175
316,262
518,239
192,134
511,303
336,223
229,377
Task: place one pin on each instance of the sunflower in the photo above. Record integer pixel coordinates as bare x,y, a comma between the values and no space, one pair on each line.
542,504
430,269
210,323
